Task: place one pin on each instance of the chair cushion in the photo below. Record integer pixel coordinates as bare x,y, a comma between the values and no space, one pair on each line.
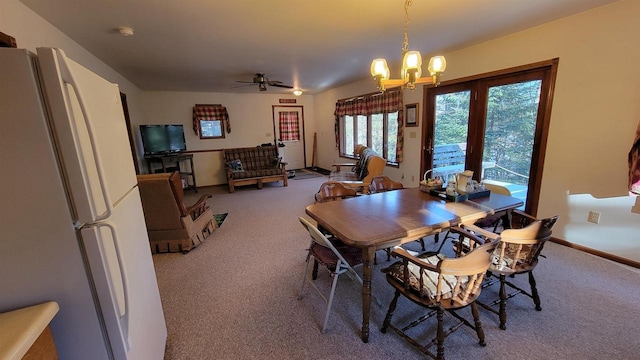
509,256
326,257
256,173
430,279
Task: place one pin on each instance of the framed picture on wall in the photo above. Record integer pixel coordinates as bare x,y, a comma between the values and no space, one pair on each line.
411,115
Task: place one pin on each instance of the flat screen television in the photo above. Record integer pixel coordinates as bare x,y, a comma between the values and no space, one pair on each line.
162,139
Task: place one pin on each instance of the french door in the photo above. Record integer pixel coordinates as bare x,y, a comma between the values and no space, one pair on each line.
494,124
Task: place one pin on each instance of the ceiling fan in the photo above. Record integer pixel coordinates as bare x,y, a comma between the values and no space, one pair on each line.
262,81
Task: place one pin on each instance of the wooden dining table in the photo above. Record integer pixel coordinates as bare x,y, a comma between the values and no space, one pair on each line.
383,220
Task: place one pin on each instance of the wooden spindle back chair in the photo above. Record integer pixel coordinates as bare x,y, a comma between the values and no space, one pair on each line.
440,283
518,252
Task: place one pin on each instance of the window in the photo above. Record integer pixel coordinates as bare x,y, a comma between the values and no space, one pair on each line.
210,121
377,131
211,129
373,120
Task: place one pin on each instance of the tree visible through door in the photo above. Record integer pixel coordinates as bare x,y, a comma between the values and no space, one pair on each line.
495,125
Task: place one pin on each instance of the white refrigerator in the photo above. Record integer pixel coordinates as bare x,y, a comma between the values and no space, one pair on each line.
72,228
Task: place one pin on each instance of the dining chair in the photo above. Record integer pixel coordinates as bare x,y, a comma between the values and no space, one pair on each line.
337,258
517,253
495,220
440,284
333,190
384,183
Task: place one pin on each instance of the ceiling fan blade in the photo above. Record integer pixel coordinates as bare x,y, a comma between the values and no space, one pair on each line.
239,86
281,85
246,82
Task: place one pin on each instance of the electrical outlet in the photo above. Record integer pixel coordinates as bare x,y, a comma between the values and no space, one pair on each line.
593,217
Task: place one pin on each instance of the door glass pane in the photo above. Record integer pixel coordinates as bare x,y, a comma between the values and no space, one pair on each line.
512,111
377,135
450,133
289,126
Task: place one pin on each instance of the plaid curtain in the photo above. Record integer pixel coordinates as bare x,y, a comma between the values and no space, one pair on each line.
289,126
386,102
210,112
634,164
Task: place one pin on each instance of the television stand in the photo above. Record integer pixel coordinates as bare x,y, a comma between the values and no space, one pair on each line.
168,162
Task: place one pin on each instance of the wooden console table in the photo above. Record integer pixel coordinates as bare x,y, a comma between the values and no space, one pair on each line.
165,162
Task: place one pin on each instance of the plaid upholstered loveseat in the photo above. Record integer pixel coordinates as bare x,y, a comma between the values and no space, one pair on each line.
253,165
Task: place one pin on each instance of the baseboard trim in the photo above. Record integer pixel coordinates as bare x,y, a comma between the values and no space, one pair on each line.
595,252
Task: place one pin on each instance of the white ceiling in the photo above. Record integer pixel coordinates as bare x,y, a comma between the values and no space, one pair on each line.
313,45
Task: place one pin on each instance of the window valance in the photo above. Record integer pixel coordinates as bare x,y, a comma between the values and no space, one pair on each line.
389,101
210,112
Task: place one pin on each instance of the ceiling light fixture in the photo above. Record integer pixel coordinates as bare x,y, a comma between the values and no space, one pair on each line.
125,31
297,92
411,65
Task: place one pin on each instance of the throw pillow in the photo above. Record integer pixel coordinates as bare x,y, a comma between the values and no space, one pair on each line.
235,165
276,162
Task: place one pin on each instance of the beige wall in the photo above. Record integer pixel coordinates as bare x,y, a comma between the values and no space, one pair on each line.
596,109
251,121
31,32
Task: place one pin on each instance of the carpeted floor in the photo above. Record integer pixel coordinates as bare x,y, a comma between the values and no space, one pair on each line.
236,297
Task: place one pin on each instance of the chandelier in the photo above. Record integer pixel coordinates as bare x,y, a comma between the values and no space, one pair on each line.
411,65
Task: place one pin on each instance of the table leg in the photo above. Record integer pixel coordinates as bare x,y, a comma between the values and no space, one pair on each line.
368,255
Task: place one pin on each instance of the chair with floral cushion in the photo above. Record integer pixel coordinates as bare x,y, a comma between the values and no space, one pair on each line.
517,253
337,257
440,284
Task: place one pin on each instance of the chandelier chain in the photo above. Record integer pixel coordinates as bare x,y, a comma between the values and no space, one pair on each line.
405,44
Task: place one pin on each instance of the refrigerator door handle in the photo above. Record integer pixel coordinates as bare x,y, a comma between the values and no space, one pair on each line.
125,287
112,271
67,77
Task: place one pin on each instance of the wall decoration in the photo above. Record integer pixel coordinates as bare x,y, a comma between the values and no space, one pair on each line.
411,115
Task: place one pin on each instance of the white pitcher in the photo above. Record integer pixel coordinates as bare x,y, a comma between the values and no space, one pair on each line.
462,179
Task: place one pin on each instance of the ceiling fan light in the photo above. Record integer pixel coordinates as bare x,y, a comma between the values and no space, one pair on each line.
297,92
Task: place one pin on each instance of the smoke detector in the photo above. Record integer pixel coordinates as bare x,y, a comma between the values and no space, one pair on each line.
125,31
